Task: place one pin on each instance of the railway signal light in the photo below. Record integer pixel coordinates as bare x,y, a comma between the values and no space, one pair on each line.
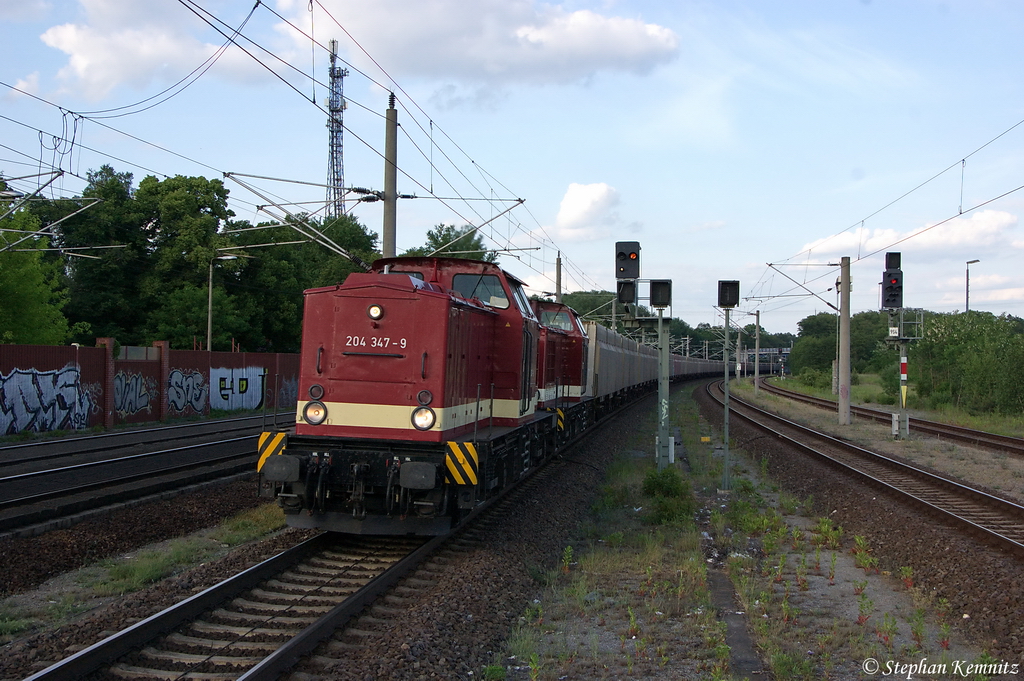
626,291
728,293
892,289
661,292
627,259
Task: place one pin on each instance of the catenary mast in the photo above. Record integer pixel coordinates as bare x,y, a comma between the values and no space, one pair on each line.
336,159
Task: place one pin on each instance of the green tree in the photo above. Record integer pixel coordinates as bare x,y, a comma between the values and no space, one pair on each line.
868,331
973,360
815,346
182,217
456,242
30,298
103,290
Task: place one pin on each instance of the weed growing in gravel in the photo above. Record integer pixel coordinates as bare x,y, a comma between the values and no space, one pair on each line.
827,533
249,525
128,575
566,558
494,672
12,623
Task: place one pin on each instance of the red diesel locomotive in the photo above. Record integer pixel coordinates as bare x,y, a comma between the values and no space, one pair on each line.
428,385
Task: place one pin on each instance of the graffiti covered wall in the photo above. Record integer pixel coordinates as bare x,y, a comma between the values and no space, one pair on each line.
187,391
237,388
45,400
44,388
133,394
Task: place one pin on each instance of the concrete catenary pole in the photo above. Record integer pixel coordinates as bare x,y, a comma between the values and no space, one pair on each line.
663,380
390,178
558,278
757,350
844,342
726,483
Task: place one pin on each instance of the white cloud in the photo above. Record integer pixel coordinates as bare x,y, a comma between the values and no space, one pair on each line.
587,213
494,41
137,43
28,84
986,230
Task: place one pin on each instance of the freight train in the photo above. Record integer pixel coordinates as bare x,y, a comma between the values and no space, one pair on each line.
429,385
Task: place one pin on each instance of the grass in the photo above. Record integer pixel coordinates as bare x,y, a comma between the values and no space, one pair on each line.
13,622
125,575
868,392
249,525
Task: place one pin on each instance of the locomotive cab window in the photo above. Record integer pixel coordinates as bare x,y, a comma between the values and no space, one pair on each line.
486,287
522,302
417,275
556,319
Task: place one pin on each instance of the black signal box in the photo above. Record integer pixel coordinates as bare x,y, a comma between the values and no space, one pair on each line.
627,259
728,293
661,292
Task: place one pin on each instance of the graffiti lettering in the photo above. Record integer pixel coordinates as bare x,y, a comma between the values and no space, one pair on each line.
288,395
237,388
131,394
43,400
187,391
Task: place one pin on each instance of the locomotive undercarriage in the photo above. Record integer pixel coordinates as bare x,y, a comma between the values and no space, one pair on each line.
361,487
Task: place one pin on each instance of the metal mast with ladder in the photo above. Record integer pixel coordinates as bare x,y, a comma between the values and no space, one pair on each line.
336,158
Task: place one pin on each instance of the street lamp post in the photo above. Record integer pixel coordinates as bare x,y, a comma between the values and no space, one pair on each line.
209,300
967,292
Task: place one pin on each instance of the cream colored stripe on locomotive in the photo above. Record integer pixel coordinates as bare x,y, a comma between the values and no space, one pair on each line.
347,414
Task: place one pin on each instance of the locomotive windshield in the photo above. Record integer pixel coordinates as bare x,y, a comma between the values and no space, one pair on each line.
486,287
558,319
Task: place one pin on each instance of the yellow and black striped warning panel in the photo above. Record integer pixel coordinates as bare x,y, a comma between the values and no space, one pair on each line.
561,419
461,463
270,444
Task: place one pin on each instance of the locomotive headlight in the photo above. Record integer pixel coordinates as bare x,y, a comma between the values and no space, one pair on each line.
314,412
423,418
375,312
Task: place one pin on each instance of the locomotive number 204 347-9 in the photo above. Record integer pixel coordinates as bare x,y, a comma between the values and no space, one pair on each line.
374,342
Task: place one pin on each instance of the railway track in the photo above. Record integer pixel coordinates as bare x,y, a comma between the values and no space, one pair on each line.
1002,443
261,623
993,519
43,483
255,624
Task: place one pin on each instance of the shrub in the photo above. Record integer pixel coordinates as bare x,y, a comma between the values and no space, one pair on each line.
672,498
665,483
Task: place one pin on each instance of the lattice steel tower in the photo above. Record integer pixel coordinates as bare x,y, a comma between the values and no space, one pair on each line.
336,159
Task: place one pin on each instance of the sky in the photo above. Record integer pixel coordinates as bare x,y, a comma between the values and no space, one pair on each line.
734,139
